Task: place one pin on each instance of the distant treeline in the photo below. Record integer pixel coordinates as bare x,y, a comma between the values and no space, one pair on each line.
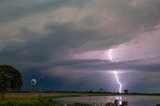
94,92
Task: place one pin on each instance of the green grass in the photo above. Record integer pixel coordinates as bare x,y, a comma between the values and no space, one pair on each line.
36,102
44,99
29,102
39,99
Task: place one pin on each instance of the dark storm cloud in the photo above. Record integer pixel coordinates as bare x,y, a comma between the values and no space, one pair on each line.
46,44
52,45
104,66
140,13
144,14
15,9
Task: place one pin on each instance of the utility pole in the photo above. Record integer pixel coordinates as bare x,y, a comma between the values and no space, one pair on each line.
41,79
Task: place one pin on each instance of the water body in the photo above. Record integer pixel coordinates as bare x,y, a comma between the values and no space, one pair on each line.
102,100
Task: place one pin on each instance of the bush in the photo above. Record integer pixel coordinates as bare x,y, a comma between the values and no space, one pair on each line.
110,104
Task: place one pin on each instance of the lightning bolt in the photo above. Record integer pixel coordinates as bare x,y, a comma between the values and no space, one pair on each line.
115,72
120,84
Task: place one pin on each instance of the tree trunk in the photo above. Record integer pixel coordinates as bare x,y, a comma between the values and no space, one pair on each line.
2,95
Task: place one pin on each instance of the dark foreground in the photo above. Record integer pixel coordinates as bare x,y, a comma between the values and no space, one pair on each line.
39,99
44,99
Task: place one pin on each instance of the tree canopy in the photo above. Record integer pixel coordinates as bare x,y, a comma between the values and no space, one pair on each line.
10,78
126,91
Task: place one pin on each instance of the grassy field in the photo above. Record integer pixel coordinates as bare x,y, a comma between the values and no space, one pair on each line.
40,99
44,99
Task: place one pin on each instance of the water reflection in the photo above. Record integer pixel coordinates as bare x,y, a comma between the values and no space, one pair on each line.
102,100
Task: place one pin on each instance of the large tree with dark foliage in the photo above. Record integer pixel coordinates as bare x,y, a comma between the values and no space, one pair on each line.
10,79
126,91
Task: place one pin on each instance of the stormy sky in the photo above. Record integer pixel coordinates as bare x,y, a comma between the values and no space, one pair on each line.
68,42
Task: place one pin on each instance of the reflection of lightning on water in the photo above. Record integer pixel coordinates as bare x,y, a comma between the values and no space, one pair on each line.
115,73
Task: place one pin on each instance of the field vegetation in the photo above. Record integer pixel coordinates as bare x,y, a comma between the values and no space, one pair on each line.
46,99
39,99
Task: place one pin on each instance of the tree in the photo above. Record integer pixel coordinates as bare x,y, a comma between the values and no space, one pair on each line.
101,90
10,78
126,91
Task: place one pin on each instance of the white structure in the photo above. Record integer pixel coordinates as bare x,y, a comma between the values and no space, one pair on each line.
33,83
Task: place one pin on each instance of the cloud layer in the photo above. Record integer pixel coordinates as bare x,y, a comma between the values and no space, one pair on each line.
62,38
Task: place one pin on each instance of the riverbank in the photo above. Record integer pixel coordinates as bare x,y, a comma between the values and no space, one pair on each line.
47,99
39,99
